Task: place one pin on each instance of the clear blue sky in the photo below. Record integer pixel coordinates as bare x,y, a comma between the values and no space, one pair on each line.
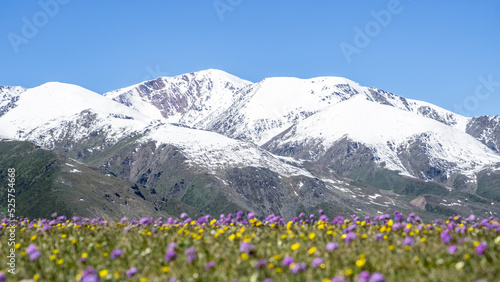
432,51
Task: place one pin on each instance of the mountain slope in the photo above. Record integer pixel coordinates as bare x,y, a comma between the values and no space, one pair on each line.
192,142
185,99
397,140
47,182
8,97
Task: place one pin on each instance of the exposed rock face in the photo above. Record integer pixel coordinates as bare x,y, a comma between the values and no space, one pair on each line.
419,202
487,130
9,95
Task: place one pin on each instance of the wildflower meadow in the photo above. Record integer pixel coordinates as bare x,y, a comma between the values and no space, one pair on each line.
242,247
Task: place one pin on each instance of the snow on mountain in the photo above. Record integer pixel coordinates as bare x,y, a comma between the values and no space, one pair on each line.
43,112
275,104
386,131
8,97
420,108
486,129
186,99
56,111
217,152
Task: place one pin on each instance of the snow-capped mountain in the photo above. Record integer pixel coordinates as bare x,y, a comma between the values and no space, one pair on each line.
186,99
262,111
398,140
55,112
8,97
269,146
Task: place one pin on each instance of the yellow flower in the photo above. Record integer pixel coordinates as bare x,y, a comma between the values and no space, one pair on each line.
143,279
231,237
360,262
117,274
423,239
312,236
60,261
390,248
349,272
312,250
17,246
52,257
33,238
244,256
36,277
295,246
64,236
165,269
276,257
85,255
55,252
73,241
270,265
390,222
278,270
103,272
105,254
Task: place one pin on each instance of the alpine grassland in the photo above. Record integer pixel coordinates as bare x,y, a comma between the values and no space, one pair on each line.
242,247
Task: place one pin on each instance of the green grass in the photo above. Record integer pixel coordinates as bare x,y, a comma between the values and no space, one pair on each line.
144,247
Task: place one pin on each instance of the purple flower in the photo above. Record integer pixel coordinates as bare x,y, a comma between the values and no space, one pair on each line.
2,276
32,251
183,215
445,237
246,247
316,262
298,267
251,215
452,249
481,248
330,247
377,277
89,275
116,253
471,218
191,254
287,261
190,251
268,280
209,265
364,276
132,271
145,221
170,255
338,279
172,246
408,241
260,263
379,237
349,237
191,258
